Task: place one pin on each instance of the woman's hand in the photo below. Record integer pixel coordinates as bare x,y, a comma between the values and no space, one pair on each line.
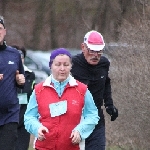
75,135
41,131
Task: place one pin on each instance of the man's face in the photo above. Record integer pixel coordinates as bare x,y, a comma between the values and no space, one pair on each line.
92,57
2,33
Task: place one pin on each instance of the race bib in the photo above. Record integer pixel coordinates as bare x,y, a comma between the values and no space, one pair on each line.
59,108
22,98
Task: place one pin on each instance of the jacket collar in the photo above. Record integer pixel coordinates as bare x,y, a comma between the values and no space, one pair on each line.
50,79
3,47
26,68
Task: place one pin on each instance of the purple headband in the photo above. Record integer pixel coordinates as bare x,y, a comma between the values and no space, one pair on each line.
57,52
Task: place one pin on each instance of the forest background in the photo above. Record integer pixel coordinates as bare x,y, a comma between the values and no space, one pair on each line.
125,25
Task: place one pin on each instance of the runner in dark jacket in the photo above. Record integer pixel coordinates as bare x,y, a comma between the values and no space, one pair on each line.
11,77
92,69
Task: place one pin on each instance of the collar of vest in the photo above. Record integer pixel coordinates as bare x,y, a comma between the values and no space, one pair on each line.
48,81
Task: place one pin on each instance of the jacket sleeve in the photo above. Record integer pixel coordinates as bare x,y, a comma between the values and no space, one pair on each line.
31,116
21,71
89,117
107,91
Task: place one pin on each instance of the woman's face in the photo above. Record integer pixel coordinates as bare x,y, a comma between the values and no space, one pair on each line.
61,67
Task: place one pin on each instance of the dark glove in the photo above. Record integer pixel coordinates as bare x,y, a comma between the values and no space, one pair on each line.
112,111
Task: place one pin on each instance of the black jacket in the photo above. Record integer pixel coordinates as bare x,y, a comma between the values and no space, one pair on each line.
95,77
28,88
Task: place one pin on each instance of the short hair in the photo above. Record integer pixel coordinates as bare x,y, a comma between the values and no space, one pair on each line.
22,48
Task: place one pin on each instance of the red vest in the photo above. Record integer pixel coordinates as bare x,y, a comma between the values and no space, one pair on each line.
60,127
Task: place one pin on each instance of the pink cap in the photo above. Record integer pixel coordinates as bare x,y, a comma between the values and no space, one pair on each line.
94,40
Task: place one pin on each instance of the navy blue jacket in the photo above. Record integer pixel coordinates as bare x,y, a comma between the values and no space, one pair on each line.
10,62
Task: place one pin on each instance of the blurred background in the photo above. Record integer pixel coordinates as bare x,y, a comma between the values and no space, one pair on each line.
43,25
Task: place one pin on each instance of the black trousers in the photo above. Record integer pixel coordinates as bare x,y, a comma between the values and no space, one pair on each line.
23,139
97,139
8,136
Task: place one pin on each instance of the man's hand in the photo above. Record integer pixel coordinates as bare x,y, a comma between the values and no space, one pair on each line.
75,135
1,76
41,131
112,111
20,79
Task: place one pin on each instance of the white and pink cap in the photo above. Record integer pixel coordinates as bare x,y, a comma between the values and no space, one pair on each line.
94,40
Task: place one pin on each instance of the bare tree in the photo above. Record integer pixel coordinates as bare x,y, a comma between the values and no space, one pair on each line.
3,7
38,24
52,22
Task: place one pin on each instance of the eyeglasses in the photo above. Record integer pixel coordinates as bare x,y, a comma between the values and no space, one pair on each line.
93,52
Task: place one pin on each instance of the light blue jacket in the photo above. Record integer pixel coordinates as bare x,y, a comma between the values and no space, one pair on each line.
89,114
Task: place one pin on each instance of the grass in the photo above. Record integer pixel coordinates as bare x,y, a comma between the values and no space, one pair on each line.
30,148
108,148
